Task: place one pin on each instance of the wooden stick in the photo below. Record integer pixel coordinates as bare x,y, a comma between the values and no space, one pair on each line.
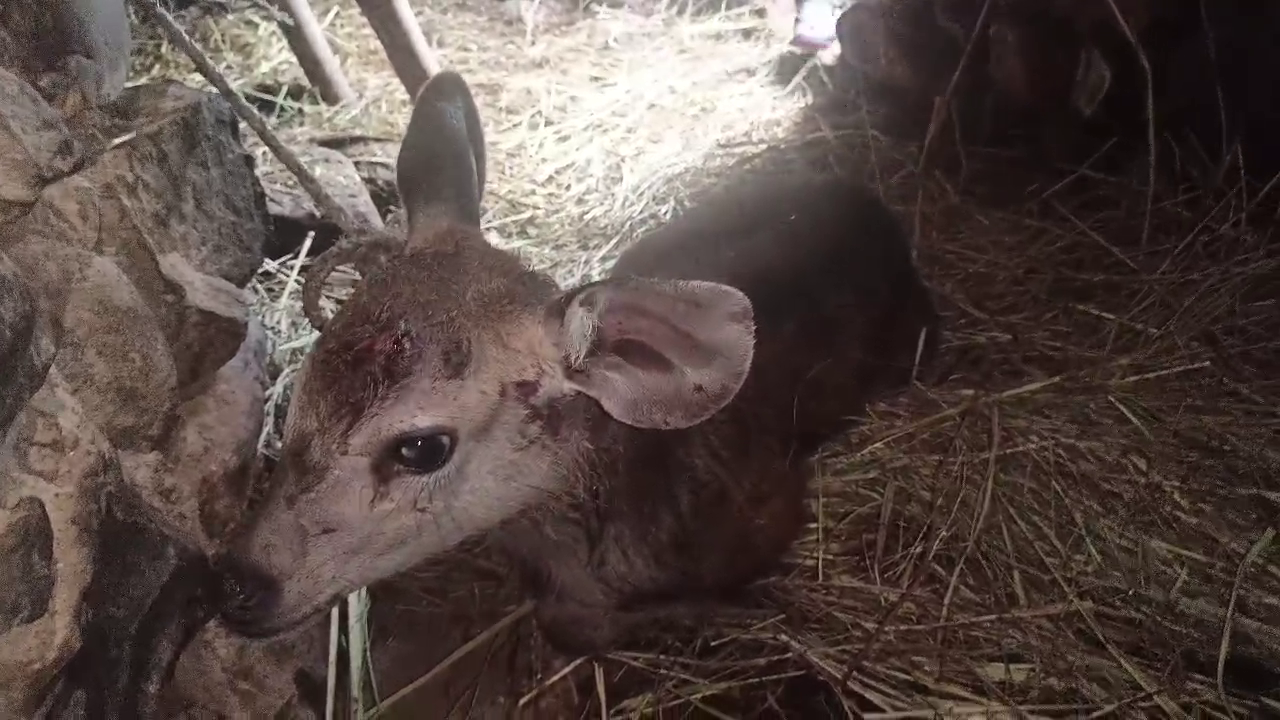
401,36
306,39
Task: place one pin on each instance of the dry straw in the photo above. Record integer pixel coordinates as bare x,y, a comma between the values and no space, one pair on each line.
1078,522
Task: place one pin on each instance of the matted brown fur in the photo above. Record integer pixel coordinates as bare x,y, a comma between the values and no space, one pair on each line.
419,310
662,516
636,442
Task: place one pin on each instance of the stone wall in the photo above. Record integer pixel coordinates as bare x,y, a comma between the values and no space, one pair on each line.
132,379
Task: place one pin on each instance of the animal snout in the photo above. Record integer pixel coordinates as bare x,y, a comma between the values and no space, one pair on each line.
250,597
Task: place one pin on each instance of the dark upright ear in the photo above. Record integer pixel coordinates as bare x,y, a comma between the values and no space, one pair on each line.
662,354
440,168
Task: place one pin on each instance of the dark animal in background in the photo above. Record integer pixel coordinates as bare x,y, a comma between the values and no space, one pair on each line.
1034,71
1221,93
1065,75
897,49
635,442
1063,79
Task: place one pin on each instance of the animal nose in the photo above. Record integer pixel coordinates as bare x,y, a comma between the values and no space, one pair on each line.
250,596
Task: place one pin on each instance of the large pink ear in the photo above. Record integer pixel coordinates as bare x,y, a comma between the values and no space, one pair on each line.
663,354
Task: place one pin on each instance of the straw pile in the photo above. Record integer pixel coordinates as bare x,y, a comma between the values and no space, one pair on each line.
1076,519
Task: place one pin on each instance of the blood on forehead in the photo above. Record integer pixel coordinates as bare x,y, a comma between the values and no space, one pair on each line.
381,352
419,314
357,364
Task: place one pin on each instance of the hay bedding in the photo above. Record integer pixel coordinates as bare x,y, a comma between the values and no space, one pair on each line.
1075,521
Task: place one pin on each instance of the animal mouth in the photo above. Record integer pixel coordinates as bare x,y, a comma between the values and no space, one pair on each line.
251,602
250,599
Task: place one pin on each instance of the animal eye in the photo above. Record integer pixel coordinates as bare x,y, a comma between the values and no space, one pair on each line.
423,453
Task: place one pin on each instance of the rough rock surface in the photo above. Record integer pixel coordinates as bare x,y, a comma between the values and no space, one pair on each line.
76,51
147,595
130,404
116,357
26,346
198,478
294,212
60,459
183,184
375,161
26,564
35,147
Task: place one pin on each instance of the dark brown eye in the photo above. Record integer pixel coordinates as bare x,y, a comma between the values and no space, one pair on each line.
423,453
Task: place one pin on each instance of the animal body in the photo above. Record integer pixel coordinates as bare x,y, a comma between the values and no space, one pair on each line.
634,443
1061,74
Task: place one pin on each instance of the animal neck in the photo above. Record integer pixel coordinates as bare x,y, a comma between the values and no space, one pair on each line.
616,464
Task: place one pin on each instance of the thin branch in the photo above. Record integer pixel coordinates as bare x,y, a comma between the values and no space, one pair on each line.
329,208
1224,647
1151,116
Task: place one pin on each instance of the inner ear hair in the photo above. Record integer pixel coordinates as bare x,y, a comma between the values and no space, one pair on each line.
581,336
654,353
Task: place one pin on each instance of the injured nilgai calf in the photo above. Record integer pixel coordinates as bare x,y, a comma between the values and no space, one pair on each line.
638,444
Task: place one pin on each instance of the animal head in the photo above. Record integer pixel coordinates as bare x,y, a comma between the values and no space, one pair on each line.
433,406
